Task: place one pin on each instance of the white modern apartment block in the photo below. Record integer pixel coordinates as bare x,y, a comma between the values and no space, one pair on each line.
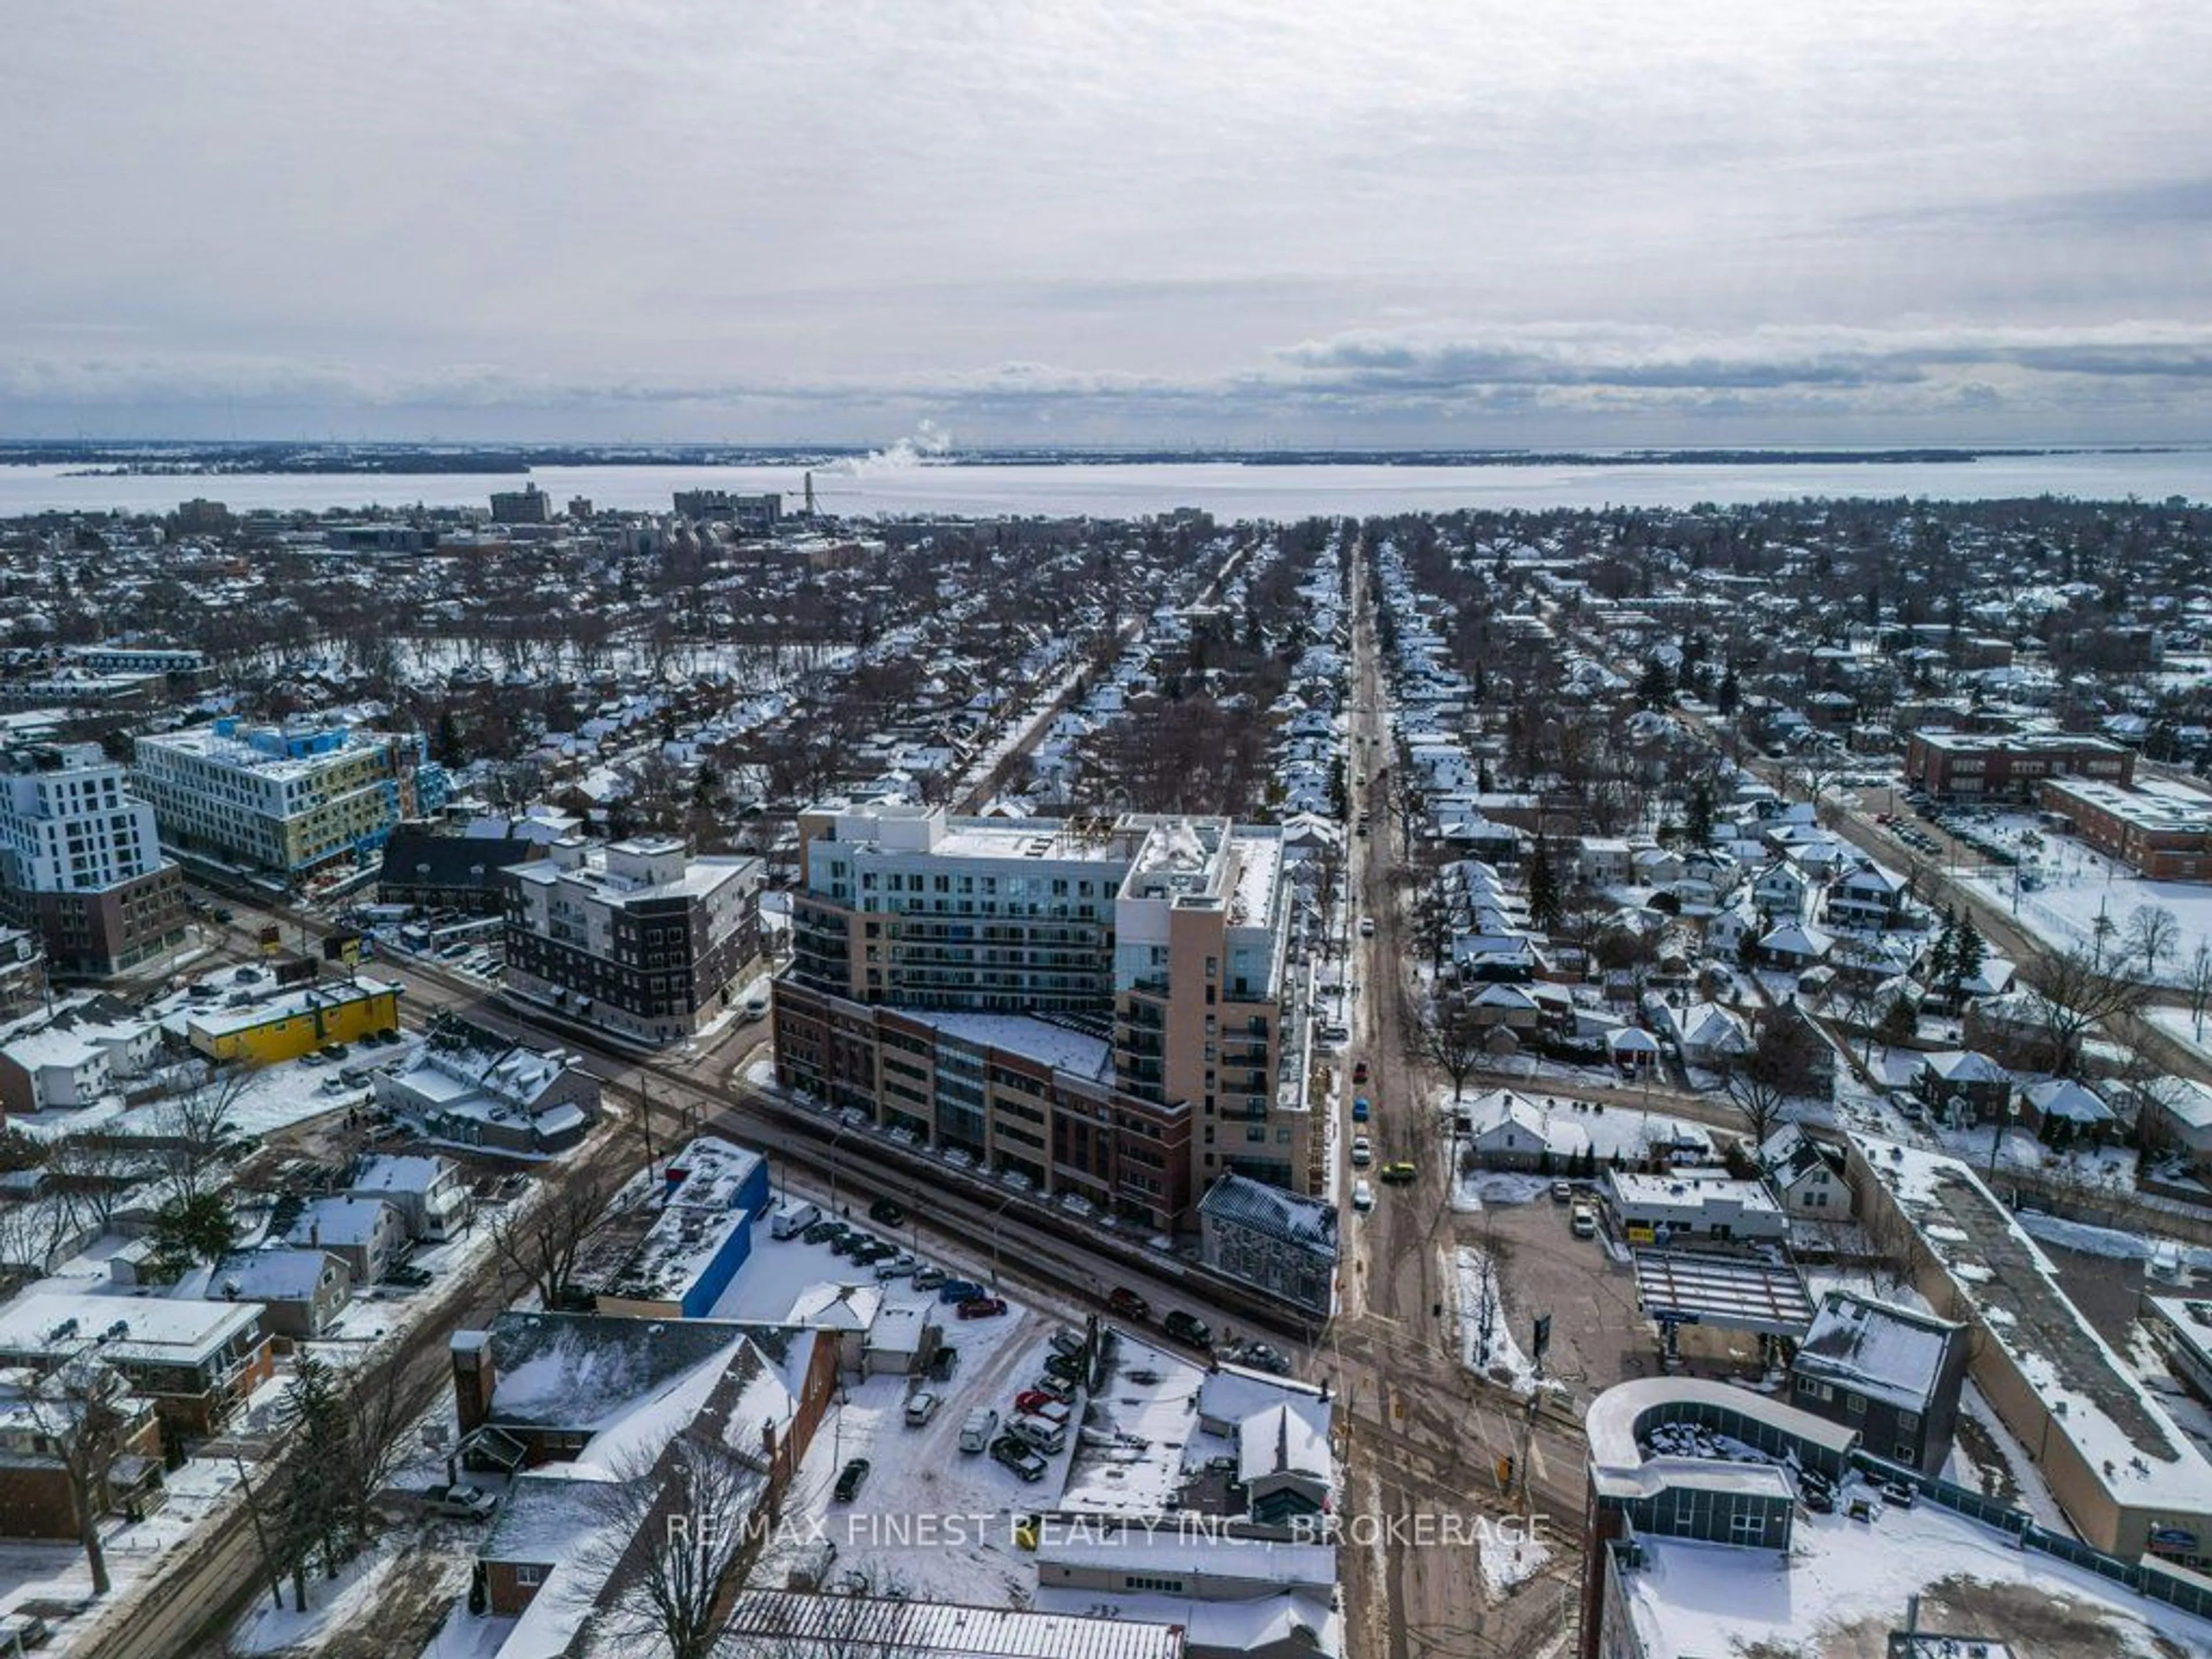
80,861
286,799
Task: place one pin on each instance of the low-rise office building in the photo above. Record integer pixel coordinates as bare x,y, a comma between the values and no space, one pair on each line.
2009,765
2161,831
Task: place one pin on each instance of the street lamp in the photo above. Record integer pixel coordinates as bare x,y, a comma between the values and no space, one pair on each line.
995,1216
843,1129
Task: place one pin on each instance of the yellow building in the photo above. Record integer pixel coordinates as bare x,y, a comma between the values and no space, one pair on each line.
285,1023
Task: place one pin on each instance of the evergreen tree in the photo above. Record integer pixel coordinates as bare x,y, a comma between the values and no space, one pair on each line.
1943,953
1699,815
1727,694
194,1228
447,744
1968,952
1655,687
1545,906
311,1507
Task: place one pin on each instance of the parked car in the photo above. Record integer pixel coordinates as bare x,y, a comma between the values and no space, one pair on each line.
1035,1402
959,1290
1362,1151
1059,1388
1362,1195
1011,1452
24,1630
1125,1303
1400,1174
1561,1192
1066,1366
1072,1344
823,1231
1583,1220
461,1502
885,1213
415,1278
1359,1073
929,1279
1188,1328
980,1307
921,1407
1264,1357
1362,1108
1367,927
850,1479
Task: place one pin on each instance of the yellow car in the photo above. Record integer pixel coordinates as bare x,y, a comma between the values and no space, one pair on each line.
1400,1174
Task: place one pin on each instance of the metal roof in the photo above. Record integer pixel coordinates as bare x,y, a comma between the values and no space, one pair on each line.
1736,1293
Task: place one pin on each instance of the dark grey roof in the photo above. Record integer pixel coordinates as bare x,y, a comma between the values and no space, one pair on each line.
1270,1211
574,1370
417,858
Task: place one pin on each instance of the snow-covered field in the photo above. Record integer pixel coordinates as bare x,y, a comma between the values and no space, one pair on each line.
2078,884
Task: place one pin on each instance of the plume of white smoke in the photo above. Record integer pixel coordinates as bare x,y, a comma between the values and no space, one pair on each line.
925,445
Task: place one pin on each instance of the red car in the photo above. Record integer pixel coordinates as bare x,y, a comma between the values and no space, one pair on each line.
981,1307
1127,1303
1359,1073
1035,1402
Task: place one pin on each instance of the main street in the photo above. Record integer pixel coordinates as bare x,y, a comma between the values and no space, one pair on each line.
1423,1433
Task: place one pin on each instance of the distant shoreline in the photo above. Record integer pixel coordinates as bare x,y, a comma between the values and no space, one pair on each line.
148,459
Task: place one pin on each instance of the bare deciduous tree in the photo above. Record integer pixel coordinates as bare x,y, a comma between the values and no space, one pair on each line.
1450,1036
677,1528
81,1412
1780,1064
2081,990
2154,932
542,1235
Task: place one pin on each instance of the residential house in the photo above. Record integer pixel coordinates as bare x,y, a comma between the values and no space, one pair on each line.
2062,1111
41,1410
302,1292
474,1088
1892,1374
197,1361
429,1192
1507,1130
1807,1175
1965,1084
364,1232
1869,899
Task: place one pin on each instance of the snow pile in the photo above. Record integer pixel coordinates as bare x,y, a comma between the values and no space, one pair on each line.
1487,1344
2104,1240
1509,1564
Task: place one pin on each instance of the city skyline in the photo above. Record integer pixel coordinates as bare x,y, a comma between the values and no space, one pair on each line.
1259,225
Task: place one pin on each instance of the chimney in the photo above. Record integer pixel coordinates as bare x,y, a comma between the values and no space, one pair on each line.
474,1377
314,1235
768,1440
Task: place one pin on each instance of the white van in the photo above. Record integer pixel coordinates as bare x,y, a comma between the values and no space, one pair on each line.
1042,1434
793,1218
976,1434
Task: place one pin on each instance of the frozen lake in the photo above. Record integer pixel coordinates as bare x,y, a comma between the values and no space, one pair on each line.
1228,489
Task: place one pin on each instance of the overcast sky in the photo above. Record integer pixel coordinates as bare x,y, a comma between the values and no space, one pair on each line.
1459,222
